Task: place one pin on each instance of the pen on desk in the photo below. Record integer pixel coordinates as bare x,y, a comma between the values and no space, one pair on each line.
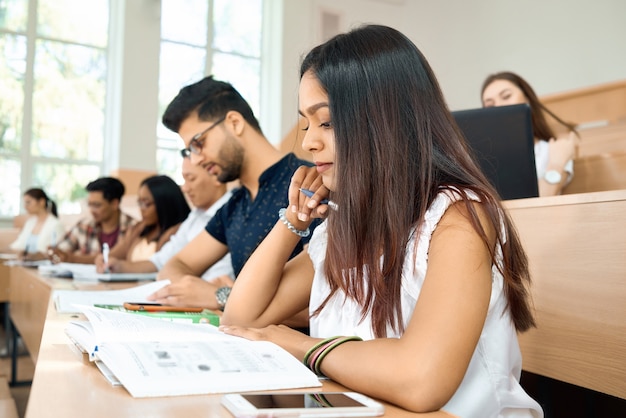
309,193
105,256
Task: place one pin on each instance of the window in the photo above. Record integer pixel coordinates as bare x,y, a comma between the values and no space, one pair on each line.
229,47
54,75
52,106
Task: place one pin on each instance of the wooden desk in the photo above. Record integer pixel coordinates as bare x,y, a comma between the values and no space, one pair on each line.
30,294
7,236
65,384
576,246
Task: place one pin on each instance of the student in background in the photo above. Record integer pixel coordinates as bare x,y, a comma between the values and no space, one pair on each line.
207,195
553,154
163,208
42,228
224,138
419,260
107,224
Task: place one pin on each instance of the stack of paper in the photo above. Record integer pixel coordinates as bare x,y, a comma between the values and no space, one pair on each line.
68,301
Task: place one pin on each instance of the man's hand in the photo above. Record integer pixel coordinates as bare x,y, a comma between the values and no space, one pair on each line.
191,291
57,256
115,265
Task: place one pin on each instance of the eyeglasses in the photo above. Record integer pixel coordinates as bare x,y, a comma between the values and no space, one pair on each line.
144,204
196,144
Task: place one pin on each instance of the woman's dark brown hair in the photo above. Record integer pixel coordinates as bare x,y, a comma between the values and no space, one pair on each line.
397,146
39,194
541,129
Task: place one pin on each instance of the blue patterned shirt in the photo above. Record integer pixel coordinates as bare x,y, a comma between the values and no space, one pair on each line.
242,223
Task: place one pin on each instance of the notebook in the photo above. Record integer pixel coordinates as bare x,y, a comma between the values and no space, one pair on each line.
88,272
502,141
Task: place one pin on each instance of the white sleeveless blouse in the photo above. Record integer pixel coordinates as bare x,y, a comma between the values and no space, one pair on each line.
491,386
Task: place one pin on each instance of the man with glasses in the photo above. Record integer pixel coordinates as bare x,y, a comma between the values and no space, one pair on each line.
107,224
224,138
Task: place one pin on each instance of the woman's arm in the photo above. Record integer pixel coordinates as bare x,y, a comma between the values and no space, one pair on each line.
421,370
122,247
270,289
560,152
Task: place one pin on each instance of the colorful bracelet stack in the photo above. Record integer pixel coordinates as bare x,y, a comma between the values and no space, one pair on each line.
313,358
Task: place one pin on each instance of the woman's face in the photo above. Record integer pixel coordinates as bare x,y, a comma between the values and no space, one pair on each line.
319,137
502,93
147,206
34,206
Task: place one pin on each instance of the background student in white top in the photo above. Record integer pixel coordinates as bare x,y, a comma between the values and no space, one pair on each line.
42,228
420,260
206,195
554,153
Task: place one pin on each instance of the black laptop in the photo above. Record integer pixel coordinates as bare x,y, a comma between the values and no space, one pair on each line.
502,141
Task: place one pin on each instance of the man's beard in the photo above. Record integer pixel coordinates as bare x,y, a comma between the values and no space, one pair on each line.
232,155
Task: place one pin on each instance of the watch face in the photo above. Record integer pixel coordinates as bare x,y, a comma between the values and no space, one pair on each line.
221,295
552,177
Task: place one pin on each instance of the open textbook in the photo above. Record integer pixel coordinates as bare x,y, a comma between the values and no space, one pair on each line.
68,301
88,272
151,357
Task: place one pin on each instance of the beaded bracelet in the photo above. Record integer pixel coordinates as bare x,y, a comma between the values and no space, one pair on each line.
290,226
313,358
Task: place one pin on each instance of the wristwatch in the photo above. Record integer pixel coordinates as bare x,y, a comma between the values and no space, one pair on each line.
552,177
221,295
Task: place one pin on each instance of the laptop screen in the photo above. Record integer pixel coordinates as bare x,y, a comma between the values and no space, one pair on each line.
502,141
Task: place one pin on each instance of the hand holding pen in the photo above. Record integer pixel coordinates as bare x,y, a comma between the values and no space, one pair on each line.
307,197
53,254
330,203
105,257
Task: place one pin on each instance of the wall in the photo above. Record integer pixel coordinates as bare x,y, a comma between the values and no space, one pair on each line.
556,45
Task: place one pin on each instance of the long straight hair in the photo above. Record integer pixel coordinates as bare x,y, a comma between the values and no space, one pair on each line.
396,146
541,128
170,203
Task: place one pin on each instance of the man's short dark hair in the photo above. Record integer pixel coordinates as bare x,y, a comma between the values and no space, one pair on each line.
211,99
110,187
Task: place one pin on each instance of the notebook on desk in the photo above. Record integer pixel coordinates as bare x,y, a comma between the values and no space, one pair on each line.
125,277
503,144
88,272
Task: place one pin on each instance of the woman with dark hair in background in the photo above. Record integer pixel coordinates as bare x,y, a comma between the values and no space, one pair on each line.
553,154
41,230
163,208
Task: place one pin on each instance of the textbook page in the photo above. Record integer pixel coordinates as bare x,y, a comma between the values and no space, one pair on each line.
105,325
151,357
66,301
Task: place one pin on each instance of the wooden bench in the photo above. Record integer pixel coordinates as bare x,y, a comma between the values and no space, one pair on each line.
595,173
604,102
602,139
576,246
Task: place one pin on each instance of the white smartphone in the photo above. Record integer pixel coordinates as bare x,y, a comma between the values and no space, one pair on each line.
303,404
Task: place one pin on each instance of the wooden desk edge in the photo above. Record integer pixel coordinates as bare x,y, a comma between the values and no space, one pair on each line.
50,368
570,199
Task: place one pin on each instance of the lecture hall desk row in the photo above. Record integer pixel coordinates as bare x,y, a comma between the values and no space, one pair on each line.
67,385
576,246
